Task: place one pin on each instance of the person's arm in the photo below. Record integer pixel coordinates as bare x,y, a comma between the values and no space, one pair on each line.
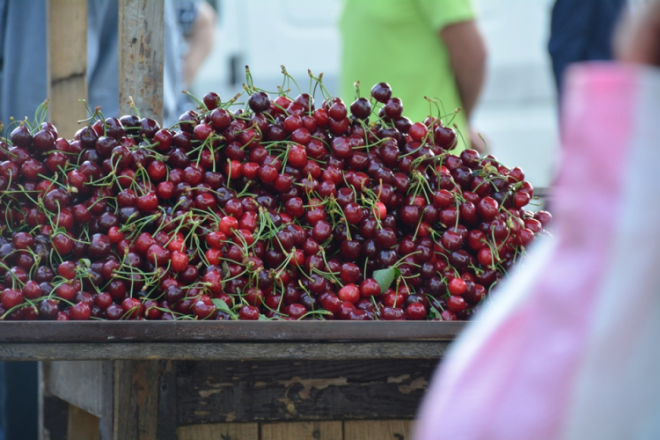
467,55
200,41
638,38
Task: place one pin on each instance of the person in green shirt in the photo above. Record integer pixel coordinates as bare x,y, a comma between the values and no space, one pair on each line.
421,48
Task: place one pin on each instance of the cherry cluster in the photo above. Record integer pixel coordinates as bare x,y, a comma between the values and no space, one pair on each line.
280,209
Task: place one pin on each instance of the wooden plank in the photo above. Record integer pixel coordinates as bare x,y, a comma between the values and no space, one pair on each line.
85,384
167,398
225,331
220,392
136,400
192,351
302,431
82,425
55,418
227,431
141,56
377,430
67,61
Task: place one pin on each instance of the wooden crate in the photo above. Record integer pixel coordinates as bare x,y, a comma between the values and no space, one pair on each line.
229,380
208,380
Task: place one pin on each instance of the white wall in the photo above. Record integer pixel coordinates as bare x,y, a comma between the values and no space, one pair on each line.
518,111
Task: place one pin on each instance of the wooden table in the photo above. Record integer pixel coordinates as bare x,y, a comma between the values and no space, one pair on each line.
229,380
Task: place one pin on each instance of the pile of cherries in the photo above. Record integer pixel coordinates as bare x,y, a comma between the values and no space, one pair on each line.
279,209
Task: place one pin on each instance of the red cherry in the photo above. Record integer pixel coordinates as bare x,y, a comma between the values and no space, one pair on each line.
393,314
379,210
31,290
115,234
349,293
203,310
213,256
148,202
179,261
485,257
132,308
544,217
448,315
416,311
233,170
456,304
369,287
487,208
80,311
202,131
457,286
297,156
157,255
248,313
534,225
10,298
228,225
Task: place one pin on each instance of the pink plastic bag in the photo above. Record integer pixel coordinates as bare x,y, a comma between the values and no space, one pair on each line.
570,347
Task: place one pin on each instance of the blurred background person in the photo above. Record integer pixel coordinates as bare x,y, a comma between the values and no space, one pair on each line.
421,48
582,30
189,36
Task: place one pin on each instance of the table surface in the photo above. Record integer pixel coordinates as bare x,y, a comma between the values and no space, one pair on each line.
225,340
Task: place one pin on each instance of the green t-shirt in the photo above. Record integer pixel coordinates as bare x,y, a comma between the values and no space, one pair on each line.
397,41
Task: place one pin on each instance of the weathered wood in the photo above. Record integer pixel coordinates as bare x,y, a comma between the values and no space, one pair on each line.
67,72
167,406
377,430
219,392
141,56
222,351
82,425
85,384
55,418
228,431
225,331
302,431
136,400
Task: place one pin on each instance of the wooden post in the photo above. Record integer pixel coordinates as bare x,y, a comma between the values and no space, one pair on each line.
67,63
141,56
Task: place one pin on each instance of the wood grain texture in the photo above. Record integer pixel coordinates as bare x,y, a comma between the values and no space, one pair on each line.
67,72
377,430
228,431
167,398
225,331
82,425
141,56
136,400
55,418
222,351
220,392
85,384
302,431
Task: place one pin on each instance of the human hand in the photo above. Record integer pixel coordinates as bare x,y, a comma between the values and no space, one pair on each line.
638,37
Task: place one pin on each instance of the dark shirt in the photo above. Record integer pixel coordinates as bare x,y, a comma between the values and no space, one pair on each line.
582,30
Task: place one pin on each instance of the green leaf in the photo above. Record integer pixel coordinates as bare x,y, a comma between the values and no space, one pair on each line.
385,277
86,262
263,318
221,305
433,313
